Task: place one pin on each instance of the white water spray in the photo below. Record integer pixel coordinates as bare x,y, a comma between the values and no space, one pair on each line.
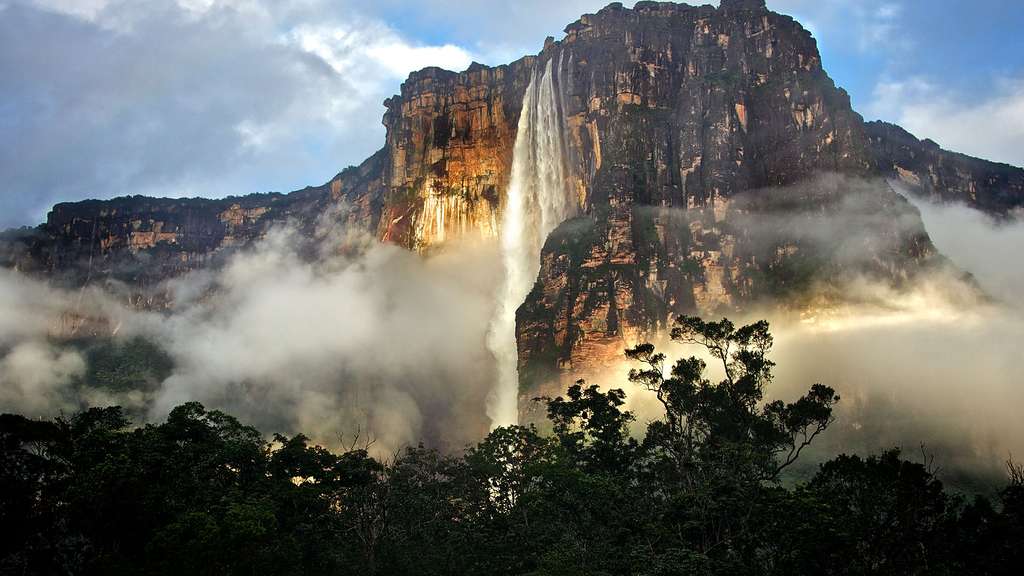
539,199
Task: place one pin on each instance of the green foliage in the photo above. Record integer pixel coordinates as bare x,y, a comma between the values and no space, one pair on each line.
727,79
202,493
789,276
591,429
725,428
122,366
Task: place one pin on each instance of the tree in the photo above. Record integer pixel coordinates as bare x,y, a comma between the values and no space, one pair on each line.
592,429
728,423
885,515
713,458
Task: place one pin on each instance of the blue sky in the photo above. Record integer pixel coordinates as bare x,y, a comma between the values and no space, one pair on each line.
102,98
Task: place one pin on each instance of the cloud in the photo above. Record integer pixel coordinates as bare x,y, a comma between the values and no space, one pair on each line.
380,337
214,97
327,336
39,367
347,49
930,362
497,32
869,26
35,376
847,221
916,371
925,369
991,127
931,376
186,98
988,249
84,9
879,27
27,308
217,97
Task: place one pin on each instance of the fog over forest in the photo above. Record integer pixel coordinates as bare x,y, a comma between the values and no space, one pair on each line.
381,342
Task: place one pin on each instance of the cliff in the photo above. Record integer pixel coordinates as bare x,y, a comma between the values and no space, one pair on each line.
712,163
141,241
689,122
943,175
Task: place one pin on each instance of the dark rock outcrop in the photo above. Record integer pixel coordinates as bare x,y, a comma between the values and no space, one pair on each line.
141,242
945,176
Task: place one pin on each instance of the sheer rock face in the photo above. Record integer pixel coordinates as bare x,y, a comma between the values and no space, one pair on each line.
449,143
697,140
142,242
943,175
679,115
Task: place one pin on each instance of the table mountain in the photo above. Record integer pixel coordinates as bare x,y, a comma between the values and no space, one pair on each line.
701,158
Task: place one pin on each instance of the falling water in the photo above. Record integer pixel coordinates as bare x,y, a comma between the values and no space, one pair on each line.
539,199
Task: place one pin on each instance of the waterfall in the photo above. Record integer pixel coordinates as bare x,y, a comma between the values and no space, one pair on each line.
539,199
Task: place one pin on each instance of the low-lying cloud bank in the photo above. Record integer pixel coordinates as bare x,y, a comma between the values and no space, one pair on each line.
931,376
927,369
948,376
364,338
933,369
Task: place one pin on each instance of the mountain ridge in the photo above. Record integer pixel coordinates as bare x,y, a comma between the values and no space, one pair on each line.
681,123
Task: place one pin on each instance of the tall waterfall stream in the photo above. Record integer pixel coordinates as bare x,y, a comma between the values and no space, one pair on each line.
539,199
